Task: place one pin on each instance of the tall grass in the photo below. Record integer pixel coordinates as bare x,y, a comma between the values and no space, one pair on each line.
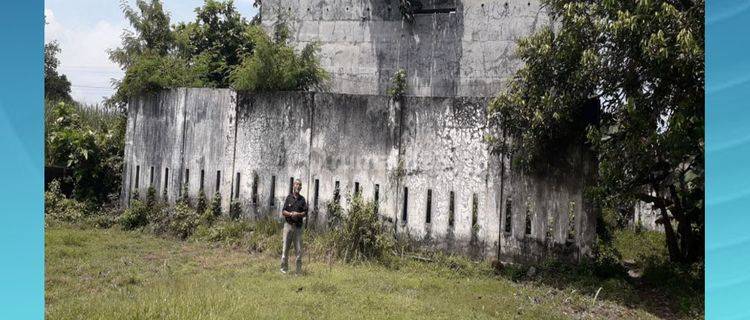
94,116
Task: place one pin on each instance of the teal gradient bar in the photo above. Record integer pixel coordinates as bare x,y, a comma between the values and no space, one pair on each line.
21,160
727,159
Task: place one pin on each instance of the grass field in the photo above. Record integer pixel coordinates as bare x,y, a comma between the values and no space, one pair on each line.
115,274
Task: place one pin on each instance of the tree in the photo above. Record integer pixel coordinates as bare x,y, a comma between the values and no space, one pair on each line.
151,34
216,41
152,38
218,49
275,66
640,64
56,86
90,146
202,53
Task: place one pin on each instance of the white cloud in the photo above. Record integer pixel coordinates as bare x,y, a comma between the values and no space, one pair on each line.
84,56
52,27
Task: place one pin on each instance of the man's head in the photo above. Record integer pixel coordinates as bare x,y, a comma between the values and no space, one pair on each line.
297,187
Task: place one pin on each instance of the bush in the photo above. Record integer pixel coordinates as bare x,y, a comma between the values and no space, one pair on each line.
183,220
151,197
275,66
265,235
639,246
90,144
185,196
398,90
361,236
206,216
202,203
335,212
607,261
59,207
216,204
103,221
134,217
151,72
235,209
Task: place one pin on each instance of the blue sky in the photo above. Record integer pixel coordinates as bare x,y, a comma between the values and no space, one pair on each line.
85,29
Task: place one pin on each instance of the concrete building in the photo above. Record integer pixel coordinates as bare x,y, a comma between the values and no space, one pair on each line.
452,48
424,159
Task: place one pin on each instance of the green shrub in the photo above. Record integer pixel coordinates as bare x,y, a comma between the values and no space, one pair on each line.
103,221
640,246
206,216
607,260
361,236
334,211
216,204
398,90
134,217
235,209
265,235
202,203
151,197
275,66
267,226
159,218
183,220
185,196
90,144
59,207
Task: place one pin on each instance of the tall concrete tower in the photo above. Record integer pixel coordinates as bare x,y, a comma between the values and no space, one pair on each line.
451,48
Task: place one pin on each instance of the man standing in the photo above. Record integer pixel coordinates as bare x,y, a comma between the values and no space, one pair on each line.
295,209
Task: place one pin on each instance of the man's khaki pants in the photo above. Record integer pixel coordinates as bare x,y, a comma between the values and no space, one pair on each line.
291,233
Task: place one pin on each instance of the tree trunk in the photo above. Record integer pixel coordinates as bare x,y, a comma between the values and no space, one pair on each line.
684,227
672,241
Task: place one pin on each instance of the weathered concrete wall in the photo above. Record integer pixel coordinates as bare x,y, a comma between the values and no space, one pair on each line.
645,216
273,143
209,141
354,142
548,214
408,149
453,47
154,144
183,134
444,152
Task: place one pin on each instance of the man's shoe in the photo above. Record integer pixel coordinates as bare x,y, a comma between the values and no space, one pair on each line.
283,271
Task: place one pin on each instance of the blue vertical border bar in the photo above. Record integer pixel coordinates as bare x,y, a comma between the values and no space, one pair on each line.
22,160
727,159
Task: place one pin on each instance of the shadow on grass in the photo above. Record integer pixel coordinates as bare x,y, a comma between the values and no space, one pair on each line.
656,286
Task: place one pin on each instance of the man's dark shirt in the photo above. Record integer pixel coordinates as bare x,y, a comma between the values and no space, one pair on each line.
292,204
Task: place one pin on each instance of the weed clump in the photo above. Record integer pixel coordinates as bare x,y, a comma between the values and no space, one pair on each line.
151,197
360,235
235,209
59,207
202,203
183,220
398,90
216,204
134,217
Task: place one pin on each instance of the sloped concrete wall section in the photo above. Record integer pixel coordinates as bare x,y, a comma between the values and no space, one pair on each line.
424,159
